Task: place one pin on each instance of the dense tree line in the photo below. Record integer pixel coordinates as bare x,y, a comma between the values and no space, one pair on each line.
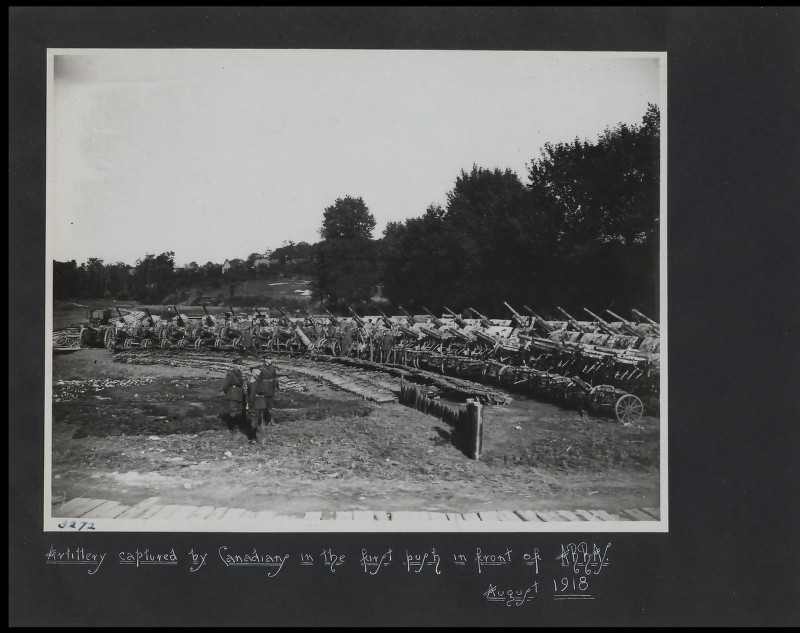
581,231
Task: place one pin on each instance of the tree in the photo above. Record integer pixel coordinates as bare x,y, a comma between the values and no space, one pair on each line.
347,218
601,206
345,259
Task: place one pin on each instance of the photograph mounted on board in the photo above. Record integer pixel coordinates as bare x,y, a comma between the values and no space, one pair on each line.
356,291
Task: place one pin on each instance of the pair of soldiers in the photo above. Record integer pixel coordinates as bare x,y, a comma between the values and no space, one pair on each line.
253,395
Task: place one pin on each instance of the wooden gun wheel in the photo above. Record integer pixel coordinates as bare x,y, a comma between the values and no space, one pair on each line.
629,409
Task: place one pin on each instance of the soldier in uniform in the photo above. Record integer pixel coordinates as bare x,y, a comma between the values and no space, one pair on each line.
347,339
233,388
261,390
387,343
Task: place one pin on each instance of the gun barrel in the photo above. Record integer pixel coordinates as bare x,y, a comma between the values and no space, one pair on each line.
513,311
484,321
547,327
646,318
616,316
358,319
604,325
408,316
436,319
386,321
572,320
458,319
629,327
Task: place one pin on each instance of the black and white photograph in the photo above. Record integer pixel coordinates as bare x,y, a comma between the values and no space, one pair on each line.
356,291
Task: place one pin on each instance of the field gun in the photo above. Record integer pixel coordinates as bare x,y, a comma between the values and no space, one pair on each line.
517,316
655,324
437,321
627,326
333,319
209,319
605,326
386,320
411,320
285,318
149,317
484,321
361,322
432,333
572,321
178,317
548,329
459,321
408,331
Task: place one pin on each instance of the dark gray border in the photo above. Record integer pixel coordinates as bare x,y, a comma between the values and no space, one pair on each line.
730,557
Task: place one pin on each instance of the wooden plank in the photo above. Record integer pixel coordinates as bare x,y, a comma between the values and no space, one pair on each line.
528,515
491,515
202,512
249,515
605,516
470,516
549,516
77,507
404,515
586,515
183,513
233,513
218,513
312,516
507,515
653,512
381,516
343,516
437,517
265,515
136,511
151,511
452,516
569,516
327,516
638,515
166,512
107,510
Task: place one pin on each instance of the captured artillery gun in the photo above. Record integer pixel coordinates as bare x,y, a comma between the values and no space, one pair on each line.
90,333
136,329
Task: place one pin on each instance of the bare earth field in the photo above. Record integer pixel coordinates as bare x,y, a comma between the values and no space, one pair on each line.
126,431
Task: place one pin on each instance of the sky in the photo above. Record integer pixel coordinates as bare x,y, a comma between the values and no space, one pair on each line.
218,154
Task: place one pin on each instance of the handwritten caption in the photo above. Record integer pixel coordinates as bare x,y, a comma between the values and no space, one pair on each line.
571,570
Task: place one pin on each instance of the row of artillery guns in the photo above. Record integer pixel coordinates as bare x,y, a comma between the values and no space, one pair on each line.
605,366
598,365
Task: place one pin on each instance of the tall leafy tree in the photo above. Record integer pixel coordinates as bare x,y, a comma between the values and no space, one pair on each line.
601,206
345,259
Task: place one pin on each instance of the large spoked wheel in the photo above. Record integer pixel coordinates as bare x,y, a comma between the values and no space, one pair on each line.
110,339
147,343
198,343
629,409
165,343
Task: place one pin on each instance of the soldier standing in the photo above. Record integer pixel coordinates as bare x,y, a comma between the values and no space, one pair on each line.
261,391
233,388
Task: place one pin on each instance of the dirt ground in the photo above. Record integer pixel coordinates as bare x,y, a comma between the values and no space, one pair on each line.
126,431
